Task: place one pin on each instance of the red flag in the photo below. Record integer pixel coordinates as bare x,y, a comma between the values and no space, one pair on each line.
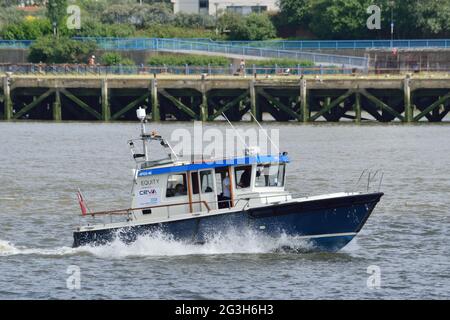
82,204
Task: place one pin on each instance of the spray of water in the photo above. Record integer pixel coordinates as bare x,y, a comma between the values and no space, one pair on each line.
161,244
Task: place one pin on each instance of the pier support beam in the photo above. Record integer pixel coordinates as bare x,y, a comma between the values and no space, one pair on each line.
156,116
409,116
204,104
7,101
304,107
253,106
57,106
106,109
357,107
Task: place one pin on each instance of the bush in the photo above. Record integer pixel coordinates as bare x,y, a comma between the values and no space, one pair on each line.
188,59
137,15
28,29
194,20
283,63
167,31
114,59
60,50
252,27
91,28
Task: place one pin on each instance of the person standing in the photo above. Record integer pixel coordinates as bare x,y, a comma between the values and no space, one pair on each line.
226,192
242,67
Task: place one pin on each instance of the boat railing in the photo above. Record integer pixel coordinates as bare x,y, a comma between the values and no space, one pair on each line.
131,210
369,177
243,203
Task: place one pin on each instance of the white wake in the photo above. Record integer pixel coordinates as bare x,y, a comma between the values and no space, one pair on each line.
160,244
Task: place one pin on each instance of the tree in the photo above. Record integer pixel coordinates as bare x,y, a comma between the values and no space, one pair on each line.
252,27
62,50
28,29
339,19
295,12
137,15
57,12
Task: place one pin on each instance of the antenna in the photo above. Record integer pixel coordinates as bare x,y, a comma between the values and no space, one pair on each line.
265,132
237,133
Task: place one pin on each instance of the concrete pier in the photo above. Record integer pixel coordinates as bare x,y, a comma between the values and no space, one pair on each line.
384,98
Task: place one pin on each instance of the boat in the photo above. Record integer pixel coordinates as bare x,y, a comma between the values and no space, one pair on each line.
192,199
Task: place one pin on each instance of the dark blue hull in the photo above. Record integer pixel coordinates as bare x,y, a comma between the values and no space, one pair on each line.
327,224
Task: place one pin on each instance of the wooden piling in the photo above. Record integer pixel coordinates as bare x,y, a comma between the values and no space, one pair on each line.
8,112
409,116
357,107
253,106
304,101
57,116
106,109
154,99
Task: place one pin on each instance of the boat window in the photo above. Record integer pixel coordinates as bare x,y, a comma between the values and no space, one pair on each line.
176,185
270,175
207,181
242,176
194,181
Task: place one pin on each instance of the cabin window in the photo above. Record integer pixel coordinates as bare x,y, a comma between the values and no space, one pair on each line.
270,175
176,185
243,176
207,181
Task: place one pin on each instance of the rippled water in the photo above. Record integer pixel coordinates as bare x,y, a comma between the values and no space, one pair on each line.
408,236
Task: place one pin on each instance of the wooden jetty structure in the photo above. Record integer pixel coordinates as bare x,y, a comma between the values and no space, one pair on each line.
383,98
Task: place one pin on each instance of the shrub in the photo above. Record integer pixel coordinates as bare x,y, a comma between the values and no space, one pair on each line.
28,29
60,50
92,28
252,27
191,60
284,63
167,31
114,58
194,20
137,15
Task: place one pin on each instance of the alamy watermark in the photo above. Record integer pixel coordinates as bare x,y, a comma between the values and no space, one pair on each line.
230,143
374,280
73,282
73,17
374,21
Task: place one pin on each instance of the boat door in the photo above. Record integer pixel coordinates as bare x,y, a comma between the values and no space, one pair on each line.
203,189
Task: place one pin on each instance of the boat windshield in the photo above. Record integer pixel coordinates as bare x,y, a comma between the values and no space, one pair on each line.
270,175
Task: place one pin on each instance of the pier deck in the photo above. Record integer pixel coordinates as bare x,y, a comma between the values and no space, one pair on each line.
384,98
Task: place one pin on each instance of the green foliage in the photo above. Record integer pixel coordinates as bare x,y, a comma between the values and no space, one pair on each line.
137,15
92,28
28,29
188,59
193,20
295,12
339,18
252,27
167,31
10,16
114,59
56,11
284,63
60,50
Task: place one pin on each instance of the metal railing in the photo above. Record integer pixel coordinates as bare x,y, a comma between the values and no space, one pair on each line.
341,44
227,49
86,70
247,51
151,43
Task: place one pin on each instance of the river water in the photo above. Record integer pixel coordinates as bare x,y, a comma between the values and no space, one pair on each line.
406,240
